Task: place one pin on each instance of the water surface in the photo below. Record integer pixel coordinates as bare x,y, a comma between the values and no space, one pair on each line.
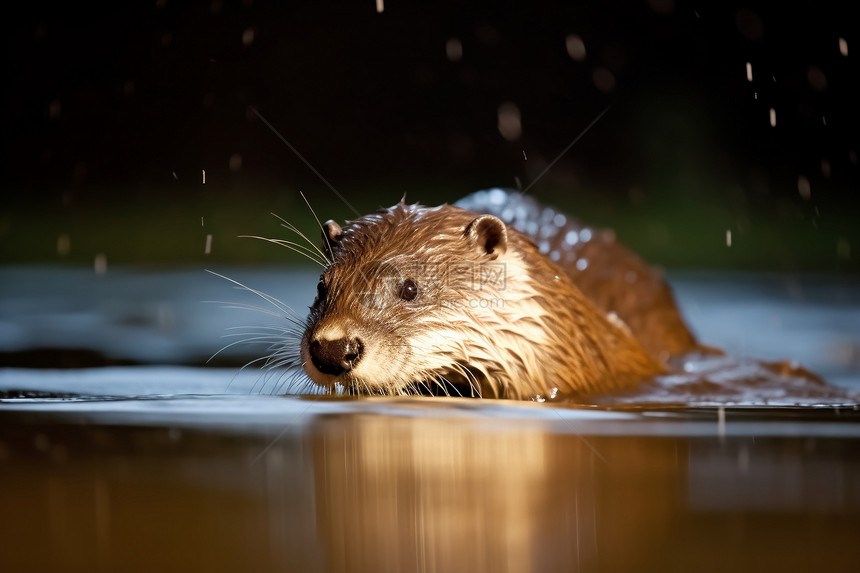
159,463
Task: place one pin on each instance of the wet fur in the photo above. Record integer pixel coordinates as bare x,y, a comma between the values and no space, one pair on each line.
534,334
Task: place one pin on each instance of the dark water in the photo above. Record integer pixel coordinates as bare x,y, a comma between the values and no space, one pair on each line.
152,467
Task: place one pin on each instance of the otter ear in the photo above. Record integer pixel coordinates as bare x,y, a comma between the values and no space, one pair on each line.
489,234
331,234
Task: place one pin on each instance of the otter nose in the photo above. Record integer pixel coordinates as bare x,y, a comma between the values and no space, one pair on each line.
335,356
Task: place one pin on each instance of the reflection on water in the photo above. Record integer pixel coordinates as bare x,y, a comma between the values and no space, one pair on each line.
431,489
176,468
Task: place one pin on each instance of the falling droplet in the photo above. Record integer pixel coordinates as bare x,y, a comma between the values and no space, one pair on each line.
772,117
575,47
662,6
749,72
843,47
816,78
100,264
728,237
454,49
510,125
803,187
208,249
380,6
603,80
64,245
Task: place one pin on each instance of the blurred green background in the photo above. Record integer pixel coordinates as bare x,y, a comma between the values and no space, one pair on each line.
112,113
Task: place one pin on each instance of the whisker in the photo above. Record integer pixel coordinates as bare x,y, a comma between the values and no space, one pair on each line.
302,157
289,226
295,247
268,298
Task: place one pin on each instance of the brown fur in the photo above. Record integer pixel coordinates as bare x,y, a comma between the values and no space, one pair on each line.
611,276
533,333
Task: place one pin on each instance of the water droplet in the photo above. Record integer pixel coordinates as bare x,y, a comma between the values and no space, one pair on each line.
235,162
749,24
603,80
510,125
497,197
575,47
248,37
100,264
816,78
803,187
454,49
582,264
64,244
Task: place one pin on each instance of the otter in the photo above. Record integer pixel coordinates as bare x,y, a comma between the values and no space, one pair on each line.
495,295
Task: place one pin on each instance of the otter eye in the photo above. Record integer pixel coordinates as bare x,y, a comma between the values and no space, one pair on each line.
321,290
408,290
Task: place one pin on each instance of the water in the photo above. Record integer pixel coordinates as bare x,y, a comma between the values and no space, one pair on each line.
150,464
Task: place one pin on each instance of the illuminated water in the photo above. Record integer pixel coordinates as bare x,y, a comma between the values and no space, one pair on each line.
153,467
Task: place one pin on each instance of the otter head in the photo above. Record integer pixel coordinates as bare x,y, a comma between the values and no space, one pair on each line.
412,296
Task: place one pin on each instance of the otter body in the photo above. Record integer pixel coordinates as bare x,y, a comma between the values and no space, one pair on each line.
611,276
493,296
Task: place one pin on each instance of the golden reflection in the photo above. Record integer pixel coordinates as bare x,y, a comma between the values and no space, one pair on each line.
368,492
414,494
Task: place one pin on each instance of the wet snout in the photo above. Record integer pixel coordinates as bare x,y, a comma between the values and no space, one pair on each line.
335,356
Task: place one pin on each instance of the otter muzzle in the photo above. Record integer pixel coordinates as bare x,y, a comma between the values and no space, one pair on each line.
335,356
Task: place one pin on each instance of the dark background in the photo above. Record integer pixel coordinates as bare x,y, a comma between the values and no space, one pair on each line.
110,113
